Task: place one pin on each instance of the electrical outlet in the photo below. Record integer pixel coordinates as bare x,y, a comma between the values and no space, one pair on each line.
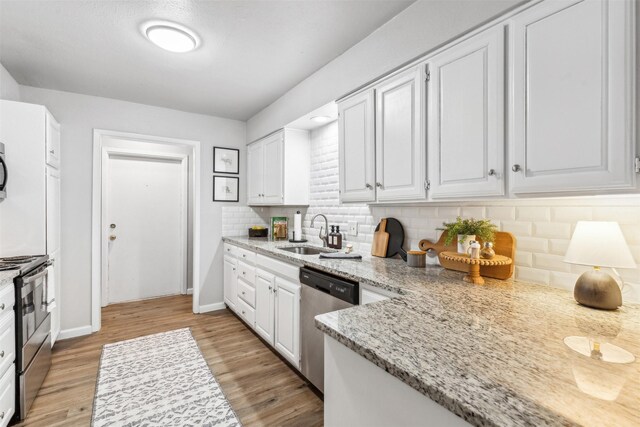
353,228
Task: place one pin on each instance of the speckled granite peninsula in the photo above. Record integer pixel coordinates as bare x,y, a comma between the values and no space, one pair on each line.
492,354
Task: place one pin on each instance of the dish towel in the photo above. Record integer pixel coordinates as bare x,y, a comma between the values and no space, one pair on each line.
340,255
50,290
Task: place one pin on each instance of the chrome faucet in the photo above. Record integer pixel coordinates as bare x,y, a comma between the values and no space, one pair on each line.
323,237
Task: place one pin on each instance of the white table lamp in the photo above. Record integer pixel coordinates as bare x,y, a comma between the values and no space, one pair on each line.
598,244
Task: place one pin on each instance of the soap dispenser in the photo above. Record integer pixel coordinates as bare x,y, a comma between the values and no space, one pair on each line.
337,239
331,237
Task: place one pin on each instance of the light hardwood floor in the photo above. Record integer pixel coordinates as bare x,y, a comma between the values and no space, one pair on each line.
262,389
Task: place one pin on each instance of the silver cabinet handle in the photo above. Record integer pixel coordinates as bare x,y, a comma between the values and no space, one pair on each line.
242,292
270,287
112,238
367,185
244,272
379,184
2,415
516,168
275,291
2,306
242,311
2,353
52,151
492,172
234,269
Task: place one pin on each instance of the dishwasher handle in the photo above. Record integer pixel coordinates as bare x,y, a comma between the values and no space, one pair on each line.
337,287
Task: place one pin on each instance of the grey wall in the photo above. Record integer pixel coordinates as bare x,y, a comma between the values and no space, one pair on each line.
78,116
9,88
421,27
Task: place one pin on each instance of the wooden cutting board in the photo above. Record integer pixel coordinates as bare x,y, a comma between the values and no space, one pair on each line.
504,244
380,240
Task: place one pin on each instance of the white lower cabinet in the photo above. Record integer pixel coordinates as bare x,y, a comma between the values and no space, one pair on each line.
265,283
7,355
230,282
7,396
287,319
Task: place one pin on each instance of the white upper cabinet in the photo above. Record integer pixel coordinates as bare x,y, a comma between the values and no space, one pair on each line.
278,169
255,173
357,148
466,118
400,140
572,93
52,141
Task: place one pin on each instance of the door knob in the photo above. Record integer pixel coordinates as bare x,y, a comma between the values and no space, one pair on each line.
112,238
516,168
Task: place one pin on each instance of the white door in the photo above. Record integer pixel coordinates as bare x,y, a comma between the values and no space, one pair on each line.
572,96
230,282
273,170
255,173
287,320
356,125
400,140
265,283
145,213
466,118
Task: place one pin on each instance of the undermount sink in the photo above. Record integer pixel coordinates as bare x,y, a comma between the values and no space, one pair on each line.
305,250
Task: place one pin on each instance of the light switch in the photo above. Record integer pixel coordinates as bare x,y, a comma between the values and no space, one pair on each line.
353,228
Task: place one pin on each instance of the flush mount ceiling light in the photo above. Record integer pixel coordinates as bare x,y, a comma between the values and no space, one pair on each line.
170,36
321,119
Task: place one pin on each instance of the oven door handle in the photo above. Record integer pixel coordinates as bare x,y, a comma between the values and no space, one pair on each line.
3,184
30,279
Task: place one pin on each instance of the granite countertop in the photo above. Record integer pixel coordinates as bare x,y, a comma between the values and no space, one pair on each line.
7,276
493,354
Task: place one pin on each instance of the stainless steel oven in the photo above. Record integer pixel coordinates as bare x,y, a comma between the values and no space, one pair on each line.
33,328
4,173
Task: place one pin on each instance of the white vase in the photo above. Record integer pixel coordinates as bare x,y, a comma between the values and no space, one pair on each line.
464,241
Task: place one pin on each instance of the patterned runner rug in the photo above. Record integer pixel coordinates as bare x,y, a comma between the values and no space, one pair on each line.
158,380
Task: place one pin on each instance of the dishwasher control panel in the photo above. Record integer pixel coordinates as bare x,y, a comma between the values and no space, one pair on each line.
337,287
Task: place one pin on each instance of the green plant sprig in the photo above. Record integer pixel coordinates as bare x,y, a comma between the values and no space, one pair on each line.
483,229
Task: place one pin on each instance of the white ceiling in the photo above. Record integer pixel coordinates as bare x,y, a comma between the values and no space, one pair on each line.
251,53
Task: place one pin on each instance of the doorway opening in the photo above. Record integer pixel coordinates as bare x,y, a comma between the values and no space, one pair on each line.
146,219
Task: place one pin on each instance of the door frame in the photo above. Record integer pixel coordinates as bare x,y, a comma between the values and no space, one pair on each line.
109,153
101,151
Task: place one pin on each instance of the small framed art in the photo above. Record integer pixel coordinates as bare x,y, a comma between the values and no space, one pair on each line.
225,188
226,160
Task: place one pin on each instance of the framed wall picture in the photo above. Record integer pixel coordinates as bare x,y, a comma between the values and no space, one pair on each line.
226,160
225,188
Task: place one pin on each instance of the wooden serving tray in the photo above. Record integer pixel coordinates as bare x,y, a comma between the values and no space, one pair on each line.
504,244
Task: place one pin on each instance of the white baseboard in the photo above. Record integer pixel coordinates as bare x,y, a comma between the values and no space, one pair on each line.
74,332
212,307
189,291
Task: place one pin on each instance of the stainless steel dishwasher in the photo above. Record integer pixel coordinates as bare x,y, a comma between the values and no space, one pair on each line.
321,293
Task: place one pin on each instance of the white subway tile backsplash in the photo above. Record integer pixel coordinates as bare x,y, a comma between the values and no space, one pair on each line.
542,229
552,229
532,213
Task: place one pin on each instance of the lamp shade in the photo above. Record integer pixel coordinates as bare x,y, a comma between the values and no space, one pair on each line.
599,244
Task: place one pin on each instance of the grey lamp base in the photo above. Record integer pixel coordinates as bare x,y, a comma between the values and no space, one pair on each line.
597,289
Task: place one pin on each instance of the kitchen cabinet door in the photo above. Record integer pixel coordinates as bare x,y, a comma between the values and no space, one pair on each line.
287,320
572,97
52,141
265,286
356,127
273,169
230,282
466,118
255,173
400,139
57,277
53,210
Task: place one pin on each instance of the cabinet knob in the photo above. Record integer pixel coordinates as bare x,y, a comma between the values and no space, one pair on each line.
516,168
492,172
1,353
2,415
234,269
112,238
270,287
275,291
242,292
367,185
379,184
244,272
2,306
52,151
242,311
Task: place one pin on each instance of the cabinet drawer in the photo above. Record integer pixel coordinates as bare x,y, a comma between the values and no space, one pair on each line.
247,292
247,272
247,313
7,299
282,269
7,396
246,255
230,250
7,341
